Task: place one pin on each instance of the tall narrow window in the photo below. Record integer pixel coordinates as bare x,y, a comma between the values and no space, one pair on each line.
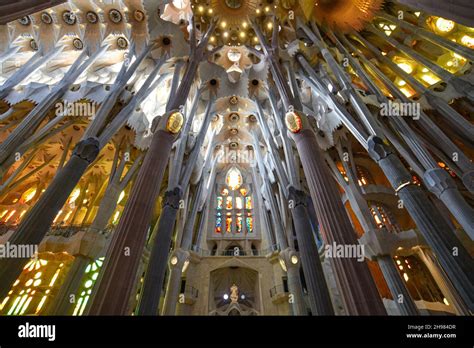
234,206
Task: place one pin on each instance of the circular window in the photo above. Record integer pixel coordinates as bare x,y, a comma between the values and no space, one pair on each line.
92,17
25,20
69,17
139,15
234,117
122,43
115,16
46,18
78,44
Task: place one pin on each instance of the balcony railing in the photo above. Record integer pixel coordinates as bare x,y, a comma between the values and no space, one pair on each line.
236,252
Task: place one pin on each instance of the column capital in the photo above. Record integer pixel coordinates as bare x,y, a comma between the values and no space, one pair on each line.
87,149
297,196
437,180
377,149
381,242
172,198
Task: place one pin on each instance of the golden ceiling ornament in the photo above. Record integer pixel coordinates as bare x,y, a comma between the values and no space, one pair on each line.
232,12
293,122
346,14
175,122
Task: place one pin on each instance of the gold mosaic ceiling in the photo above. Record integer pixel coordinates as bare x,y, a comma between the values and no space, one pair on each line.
234,15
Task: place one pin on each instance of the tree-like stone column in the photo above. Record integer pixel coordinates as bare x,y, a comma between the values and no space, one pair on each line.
452,255
176,265
125,250
381,245
320,299
155,273
359,291
404,302
443,186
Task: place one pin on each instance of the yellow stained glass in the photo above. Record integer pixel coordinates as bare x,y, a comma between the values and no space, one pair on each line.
228,202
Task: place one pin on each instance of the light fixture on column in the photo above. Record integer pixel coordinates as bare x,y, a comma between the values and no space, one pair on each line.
294,259
185,265
293,122
174,260
283,264
175,122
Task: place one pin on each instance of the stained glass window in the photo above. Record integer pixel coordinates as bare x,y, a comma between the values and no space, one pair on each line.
249,223
238,203
90,276
228,202
219,223
234,179
36,285
234,205
228,224
248,203
239,223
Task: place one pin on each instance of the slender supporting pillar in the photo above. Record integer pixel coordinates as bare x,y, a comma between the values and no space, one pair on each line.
431,36
357,286
320,300
294,285
443,186
452,255
34,118
445,285
176,265
160,248
403,299
457,10
299,306
125,250
37,221
106,207
155,273
379,244
462,86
